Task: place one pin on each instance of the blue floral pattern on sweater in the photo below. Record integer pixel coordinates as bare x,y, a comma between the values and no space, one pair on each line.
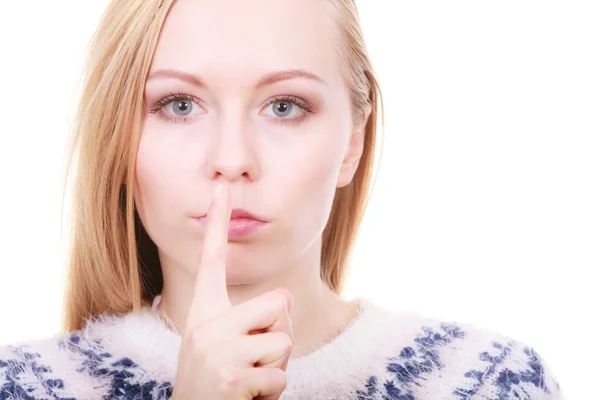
126,380
439,361
412,363
416,362
15,368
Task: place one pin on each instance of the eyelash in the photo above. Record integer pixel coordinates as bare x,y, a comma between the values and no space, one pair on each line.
307,109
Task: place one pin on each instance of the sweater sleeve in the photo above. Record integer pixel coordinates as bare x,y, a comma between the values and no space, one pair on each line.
21,374
522,374
11,365
71,367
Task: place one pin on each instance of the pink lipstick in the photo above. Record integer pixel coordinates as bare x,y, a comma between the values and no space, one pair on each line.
242,223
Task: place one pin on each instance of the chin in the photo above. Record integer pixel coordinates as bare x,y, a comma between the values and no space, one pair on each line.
247,271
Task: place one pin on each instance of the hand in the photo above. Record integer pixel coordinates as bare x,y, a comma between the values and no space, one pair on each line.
231,352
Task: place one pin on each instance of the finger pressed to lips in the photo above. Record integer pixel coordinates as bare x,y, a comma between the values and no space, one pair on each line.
269,312
210,293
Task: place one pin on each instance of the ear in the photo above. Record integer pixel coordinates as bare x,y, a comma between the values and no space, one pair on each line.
354,150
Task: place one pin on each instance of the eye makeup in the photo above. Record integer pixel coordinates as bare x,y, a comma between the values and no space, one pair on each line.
162,110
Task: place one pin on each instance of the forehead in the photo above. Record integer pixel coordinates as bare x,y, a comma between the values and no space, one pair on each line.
248,38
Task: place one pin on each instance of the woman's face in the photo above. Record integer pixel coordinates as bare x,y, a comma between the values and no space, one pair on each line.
249,93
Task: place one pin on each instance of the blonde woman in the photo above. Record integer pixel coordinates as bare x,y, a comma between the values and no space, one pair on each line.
223,153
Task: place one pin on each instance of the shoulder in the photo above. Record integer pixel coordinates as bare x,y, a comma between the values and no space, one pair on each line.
454,360
83,364
34,368
496,366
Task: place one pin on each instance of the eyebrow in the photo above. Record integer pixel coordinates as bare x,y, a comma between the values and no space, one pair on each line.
268,79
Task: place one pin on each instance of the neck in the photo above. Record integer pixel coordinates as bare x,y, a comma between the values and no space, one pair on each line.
318,314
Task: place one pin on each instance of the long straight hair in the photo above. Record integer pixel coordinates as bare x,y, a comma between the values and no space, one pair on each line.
113,264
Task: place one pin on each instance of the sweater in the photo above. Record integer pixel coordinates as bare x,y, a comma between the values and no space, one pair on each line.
381,354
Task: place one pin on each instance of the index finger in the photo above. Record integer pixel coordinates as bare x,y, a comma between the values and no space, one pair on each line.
210,297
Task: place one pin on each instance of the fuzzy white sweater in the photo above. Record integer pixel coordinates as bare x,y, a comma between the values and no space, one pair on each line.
380,355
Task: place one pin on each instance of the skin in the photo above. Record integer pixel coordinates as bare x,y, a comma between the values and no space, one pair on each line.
281,166
231,352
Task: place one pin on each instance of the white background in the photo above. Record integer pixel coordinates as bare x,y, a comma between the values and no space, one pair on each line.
487,206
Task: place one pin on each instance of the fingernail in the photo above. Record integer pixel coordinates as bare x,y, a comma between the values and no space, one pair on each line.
291,330
290,303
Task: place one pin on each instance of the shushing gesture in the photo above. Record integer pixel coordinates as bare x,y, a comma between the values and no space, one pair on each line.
231,352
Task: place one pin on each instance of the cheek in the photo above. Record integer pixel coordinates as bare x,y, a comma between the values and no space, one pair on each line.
306,184
158,178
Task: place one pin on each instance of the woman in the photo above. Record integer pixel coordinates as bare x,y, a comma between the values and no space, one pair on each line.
224,151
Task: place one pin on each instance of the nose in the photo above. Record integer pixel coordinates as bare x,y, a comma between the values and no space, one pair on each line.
231,154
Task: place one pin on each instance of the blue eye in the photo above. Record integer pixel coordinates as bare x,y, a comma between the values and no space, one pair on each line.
176,107
283,109
288,109
181,107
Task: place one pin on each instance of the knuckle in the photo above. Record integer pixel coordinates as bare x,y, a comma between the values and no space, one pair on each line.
283,340
231,380
284,296
278,298
278,379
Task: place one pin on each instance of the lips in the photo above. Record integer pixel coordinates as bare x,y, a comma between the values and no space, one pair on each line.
239,213
241,224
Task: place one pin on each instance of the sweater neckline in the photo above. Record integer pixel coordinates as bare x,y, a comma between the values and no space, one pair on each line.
359,303
342,365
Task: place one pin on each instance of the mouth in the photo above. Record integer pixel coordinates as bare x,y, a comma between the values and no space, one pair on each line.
240,213
241,224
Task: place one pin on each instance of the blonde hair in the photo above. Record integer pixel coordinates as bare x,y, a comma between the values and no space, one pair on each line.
113,264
